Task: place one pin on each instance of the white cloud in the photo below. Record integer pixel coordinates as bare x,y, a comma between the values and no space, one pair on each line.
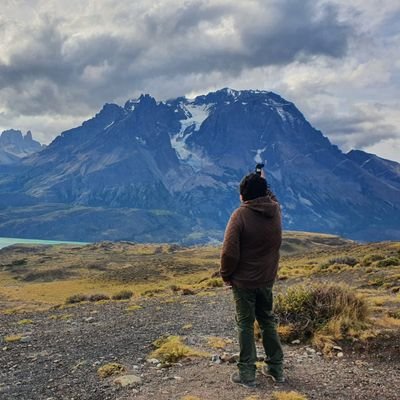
338,61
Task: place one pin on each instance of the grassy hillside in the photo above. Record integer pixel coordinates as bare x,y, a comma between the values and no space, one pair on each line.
42,276
115,305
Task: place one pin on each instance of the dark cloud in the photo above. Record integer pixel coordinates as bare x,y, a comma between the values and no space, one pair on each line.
299,29
59,65
55,69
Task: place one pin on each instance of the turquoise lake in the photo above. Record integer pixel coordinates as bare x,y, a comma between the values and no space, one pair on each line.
4,242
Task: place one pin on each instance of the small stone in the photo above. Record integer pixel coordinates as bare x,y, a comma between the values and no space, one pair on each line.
127,380
297,341
360,363
228,358
337,348
5,348
25,339
310,350
339,355
216,359
153,361
178,378
89,319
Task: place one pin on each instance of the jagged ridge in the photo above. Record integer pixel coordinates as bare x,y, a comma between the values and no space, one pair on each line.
187,156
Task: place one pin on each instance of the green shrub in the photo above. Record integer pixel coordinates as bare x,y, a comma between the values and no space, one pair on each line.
351,261
215,282
387,262
395,314
376,282
152,292
98,297
188,292
123,295
76,298
309,309
368,260
21,261
175,288
47,275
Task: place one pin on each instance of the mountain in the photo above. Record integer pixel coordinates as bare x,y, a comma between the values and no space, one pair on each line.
385,170
184,158
14,146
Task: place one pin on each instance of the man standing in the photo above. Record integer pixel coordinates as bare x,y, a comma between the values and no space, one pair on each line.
249,263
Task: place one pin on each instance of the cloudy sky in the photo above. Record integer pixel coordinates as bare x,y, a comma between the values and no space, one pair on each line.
61,60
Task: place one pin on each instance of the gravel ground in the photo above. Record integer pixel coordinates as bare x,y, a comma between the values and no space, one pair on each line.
61,351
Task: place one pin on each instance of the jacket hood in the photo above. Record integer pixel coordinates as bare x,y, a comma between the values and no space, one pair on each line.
263,205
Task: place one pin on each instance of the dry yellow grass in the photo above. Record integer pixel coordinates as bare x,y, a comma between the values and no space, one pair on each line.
110,369
133,308
218,342
12,338
387,322
288,396
171,349
148,269
61,316
324,313
25,322
285,332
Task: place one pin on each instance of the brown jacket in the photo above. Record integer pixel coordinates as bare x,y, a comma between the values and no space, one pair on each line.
253,236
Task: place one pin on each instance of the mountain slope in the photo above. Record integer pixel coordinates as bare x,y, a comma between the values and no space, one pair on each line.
187,156
385,170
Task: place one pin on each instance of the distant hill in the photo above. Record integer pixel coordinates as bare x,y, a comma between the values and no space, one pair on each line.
176,165
14,146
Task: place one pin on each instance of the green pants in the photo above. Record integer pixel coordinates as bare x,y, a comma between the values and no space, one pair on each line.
254,304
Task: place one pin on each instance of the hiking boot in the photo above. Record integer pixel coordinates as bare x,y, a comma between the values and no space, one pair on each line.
235,378
276,378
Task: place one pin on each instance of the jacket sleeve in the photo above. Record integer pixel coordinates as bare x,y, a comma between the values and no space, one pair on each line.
230,254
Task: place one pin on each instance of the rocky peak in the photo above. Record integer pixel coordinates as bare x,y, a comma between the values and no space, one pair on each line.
28,136
11,136
14,146
143,101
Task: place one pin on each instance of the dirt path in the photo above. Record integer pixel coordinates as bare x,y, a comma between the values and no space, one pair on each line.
61,351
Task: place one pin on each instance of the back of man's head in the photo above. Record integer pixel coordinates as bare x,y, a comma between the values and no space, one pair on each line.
253,186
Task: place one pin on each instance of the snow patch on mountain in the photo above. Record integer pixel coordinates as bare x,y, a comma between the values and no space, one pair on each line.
109,125
257,157
305,201
195,116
